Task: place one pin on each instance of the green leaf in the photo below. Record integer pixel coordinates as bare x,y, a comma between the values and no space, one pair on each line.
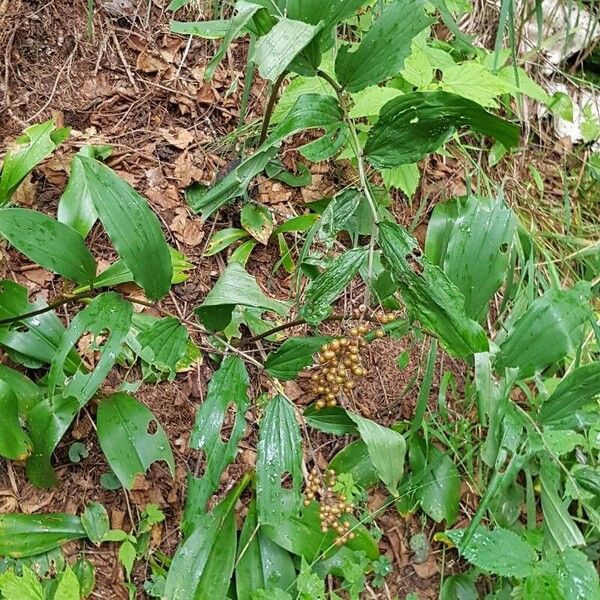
223,239
275,51
242,253
402,177
474,82
76,207
293,355
276,170
211,30
127,557
23,535
301,535
107,311
470,240
227,388
414,125
386,448
68,586
261,564
24,587
257,220
328,286
36,143
577,576
278,461
499,551
577,389
132,227
550,328
203,564
95,522
85,571
48,243
244,11
124,435
383,49
14,442
458,587
429,295
234,287
41,338
28,393
368,102
234,184
439,495
163,344
77,452
560,524
330,420
355,460
418,68
300,223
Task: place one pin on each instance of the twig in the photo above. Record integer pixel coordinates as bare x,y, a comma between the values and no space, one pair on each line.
269,108
124,61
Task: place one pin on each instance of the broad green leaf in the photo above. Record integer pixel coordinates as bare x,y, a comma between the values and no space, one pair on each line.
124,435
293,355
301,535
23,535
563,441
95,522
163,344
550,328
403,177
429,295
577,389
108,311
278,463
132,227
499,551
223,239
211,30
416,124
242,253
329,12
36,143
42,337
227,388
85,571
297,87
560,524
326,146
458,587
68,586
261,564
386,448
300,223
257,220
203,564
50,244
384,47
234,184
14,442
28,394
355,460
234,287
525,85
48,421
577,575
276,170
330,420
275,51
76,207
27,586
418,69
439,492
244,11
470,240
473,81
328,286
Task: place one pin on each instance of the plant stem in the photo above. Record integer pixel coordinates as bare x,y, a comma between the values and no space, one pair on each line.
269,108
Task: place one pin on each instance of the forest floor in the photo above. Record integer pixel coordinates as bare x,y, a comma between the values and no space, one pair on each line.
140,89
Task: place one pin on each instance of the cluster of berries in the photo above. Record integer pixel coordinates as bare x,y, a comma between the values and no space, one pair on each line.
339,363
332,506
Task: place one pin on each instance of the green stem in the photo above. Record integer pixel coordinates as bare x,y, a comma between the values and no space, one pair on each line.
269,108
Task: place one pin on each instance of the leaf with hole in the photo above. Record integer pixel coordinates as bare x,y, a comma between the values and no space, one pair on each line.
131,225
384,47
23,535
257,220
429,295
49,243
36,143
278,463
76,207
413,125
124,433
328,286
227,389
234,287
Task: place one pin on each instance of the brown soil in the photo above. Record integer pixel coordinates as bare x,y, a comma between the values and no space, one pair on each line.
134,86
